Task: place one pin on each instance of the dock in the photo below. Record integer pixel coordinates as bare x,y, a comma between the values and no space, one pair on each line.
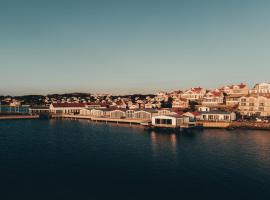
101,119
13,117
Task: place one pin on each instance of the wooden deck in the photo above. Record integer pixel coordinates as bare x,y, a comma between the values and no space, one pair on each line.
102,119
9,117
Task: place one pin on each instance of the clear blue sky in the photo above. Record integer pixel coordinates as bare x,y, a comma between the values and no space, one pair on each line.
131,46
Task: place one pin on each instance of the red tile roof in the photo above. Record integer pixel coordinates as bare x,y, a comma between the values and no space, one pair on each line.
69,105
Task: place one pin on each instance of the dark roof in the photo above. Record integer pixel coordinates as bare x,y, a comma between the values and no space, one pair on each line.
216,112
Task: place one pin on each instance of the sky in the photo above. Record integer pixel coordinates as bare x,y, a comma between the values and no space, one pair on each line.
131,46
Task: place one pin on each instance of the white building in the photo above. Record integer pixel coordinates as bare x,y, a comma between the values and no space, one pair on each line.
117,114
261,88
66,108
240,89
171,121
255,105
194,94
213,98
218,116
145,114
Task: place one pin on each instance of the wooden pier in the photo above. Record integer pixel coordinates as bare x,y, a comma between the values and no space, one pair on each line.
12,117
101,119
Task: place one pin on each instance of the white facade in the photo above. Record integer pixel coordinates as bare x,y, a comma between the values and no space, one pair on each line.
213,98
218,116
117,114
66,108
194,94
241,89
255,105
261,88
169,121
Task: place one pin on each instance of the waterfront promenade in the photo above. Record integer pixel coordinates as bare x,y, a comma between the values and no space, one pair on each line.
9,117
101,119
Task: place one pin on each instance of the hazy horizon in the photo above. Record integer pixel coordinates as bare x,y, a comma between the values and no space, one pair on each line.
127,47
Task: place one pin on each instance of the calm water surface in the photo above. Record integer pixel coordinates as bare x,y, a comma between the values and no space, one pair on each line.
51,159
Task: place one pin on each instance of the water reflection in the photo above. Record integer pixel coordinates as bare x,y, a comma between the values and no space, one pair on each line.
164,142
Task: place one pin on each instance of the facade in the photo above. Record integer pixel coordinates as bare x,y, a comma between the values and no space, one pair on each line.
194,94
67,108
180,103
233,100
236,90
145,114
218,116
171,121
117,114
213,98
255,105
36,110
261,88
166,112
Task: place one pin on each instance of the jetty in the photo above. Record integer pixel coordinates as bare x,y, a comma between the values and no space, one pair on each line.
13,117
101,119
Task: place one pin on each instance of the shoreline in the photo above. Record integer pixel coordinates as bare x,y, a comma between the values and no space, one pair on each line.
17,117
206,124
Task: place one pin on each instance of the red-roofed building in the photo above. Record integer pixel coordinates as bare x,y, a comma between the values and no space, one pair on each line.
213,98
240,89
66,108
194,94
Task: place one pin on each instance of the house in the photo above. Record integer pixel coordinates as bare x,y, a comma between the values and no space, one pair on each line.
232,100
217,116
146,114
194,94
192,115
171,121
180,103
166,112
117,114
236,90
261,88
213,98
254,105
67,108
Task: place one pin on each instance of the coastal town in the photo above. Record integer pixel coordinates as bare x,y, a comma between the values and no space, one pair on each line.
228,106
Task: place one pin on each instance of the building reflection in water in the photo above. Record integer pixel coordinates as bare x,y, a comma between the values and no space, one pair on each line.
163,142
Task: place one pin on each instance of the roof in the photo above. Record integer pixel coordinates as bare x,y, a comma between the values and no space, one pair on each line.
217,112
69,105
39,107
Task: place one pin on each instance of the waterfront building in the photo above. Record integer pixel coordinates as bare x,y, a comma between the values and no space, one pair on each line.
255,105
192,115
37,110
66,108
117,114
130,114
194,94
171,121
145,114
217,116
260,89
